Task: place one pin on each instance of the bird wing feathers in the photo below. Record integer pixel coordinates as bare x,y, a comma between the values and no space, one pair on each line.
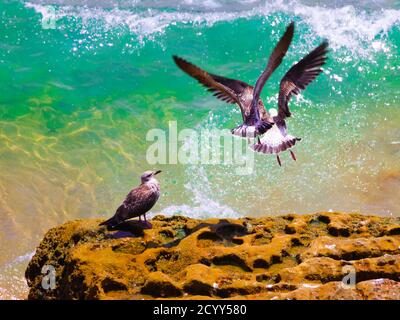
225,89
274,61
137,202
299,76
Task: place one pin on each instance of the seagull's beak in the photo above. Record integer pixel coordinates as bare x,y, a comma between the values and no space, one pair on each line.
157,172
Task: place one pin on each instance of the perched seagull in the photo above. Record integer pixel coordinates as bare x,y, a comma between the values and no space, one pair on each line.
138,201
296,79
256,120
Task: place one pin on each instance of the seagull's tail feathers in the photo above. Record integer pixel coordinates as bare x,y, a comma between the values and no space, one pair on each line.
271,144
112,222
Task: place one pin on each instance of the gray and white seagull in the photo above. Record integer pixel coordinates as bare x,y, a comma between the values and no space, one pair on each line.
257,121
138,201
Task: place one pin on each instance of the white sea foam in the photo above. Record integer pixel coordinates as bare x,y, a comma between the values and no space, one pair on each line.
12,282
203,203
201,208
20,259
357,29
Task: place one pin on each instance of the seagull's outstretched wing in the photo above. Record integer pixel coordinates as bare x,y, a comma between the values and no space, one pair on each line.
224,88
299,76
274,61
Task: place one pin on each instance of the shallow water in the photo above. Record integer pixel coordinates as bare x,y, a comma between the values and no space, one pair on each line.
77,99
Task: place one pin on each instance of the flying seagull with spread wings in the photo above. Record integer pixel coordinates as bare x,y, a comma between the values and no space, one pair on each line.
296,79
256,120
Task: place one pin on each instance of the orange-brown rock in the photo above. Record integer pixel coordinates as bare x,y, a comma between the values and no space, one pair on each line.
317,256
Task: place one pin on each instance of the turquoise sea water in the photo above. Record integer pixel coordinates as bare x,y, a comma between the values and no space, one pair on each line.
81,85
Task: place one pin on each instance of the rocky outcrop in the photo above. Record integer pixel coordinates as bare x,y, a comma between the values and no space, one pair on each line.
318,256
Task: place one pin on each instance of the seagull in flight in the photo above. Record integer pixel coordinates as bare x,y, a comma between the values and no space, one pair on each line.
257,121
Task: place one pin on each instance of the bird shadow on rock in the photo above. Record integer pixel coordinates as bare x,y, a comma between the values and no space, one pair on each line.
129,229
221,231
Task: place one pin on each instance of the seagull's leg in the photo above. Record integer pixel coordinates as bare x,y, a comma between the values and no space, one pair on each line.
279,160
259,141
140,219
145,217
293,155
